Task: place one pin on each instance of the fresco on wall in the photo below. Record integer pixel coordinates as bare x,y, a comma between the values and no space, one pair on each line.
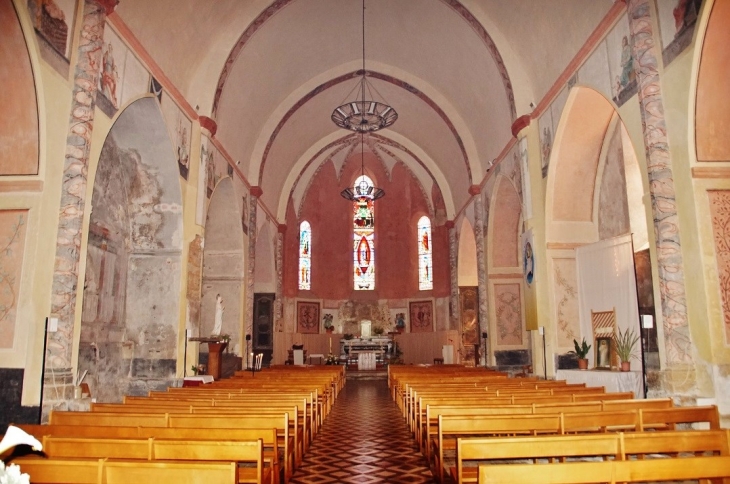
720,212
677,21
566,301
621,62
526,188
179,127
12,245
53,21
244,214
122,76
421,316
307,317
545,124
508,310
194,278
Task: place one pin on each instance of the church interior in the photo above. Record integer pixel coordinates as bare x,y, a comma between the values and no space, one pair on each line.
191,187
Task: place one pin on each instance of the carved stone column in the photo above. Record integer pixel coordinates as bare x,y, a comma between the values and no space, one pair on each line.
476,191
661,186
455,319
279,301
255,193
73,203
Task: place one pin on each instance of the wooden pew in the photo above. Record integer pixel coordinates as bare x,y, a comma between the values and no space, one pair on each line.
619,446
653,470
243,452
81,471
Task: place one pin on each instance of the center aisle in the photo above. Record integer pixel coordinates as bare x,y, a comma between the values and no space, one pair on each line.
364,440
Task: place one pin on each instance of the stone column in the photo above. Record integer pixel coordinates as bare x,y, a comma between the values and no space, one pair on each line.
455,318
476,192
661,186
57,373
279,301
255,193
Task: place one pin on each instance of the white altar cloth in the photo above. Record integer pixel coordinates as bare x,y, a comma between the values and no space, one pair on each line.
366,360
613,381
200,378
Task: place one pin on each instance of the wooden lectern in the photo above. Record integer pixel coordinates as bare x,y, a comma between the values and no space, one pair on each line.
215,352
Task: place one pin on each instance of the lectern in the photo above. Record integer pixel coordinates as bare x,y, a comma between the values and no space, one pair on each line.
215,358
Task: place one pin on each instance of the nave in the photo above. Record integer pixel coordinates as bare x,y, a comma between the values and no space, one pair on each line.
364,440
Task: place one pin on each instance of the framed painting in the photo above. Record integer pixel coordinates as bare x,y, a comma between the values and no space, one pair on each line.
421,316
307,317
603,351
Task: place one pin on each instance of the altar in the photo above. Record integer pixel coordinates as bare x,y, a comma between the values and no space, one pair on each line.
367,353
613,381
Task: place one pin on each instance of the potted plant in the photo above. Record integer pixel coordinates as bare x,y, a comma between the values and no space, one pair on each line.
581,351
328,326
625,344
378,330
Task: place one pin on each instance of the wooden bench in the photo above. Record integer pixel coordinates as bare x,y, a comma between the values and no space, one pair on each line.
653,470
79,471
242,452
619,446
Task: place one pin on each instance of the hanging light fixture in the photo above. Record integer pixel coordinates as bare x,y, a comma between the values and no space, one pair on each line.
364,116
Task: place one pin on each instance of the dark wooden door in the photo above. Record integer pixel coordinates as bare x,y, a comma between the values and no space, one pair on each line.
263,326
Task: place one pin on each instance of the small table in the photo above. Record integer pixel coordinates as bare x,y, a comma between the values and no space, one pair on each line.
191,381
320,356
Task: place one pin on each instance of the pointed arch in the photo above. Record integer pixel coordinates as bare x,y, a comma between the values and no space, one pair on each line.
305,256
425,254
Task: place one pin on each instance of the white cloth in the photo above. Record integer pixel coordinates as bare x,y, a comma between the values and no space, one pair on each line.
200,378
366,360
298,357
614,381
219,308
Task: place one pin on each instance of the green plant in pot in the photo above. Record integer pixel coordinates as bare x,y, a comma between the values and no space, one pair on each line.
625,344
581,351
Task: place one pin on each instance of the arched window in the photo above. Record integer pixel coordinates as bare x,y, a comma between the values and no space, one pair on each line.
425,250
305,256
363,224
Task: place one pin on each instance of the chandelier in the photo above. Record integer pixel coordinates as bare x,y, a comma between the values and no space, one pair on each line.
364,115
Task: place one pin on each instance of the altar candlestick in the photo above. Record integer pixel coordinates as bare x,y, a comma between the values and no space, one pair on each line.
330,344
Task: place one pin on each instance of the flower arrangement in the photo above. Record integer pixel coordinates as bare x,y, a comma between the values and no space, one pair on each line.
331,359
14,437
378,330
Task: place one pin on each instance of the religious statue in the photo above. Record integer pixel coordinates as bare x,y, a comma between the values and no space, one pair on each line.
219,308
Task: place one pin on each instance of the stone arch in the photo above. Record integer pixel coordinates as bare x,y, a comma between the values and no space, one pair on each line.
504,226
131,300
223,269
713,99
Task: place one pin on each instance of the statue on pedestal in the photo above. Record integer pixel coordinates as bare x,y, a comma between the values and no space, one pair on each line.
219,308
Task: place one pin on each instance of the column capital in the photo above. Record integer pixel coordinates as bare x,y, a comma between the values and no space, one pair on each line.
520,123
282,228
450,224
475,190
256,191
208,124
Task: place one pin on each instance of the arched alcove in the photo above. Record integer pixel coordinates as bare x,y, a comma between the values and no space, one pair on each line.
19,124
592,165
467,260
508,339
131,300
713,99
223,265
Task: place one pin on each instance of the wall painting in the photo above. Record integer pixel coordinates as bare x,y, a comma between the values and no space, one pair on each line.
677,21
720,212
308,317
421,316
12,245
508,310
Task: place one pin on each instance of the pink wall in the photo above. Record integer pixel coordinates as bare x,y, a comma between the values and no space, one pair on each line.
396,268
19,122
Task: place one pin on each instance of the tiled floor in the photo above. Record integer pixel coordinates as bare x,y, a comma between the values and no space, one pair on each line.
364,440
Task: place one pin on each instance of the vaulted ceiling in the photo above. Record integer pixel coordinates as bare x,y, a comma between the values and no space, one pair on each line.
271,72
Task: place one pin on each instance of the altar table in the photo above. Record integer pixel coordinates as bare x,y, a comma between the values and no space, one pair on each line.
613,381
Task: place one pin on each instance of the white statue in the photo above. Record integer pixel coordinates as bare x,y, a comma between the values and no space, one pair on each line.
219,307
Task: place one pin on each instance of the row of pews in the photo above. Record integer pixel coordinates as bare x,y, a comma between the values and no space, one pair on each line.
252,428
477,425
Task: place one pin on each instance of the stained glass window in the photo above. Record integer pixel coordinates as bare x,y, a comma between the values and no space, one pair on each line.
363,222
305,256
425,250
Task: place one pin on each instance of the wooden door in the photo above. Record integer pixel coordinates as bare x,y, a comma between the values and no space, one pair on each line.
263,326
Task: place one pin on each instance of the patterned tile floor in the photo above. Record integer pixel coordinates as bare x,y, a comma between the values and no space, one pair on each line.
364,440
